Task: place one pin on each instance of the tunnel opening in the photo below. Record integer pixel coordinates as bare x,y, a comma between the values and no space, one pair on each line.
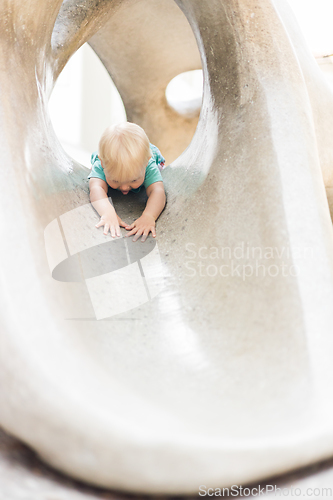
146,69
83,103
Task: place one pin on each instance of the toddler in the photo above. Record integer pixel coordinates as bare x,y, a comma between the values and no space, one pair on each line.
127,161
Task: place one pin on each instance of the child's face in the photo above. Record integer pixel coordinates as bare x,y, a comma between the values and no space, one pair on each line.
125,187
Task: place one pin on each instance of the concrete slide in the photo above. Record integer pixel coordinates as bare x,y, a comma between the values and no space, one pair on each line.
203,357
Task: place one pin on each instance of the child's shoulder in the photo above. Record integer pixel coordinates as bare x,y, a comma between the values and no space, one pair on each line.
156,154
94,158
96,167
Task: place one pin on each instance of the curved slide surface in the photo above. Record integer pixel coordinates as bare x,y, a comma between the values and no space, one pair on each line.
204,357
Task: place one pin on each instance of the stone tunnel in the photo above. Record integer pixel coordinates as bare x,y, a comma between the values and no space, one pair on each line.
206,356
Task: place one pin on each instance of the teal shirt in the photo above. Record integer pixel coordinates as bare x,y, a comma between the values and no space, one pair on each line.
152,174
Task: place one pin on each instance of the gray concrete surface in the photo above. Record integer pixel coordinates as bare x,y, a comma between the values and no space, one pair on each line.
196,378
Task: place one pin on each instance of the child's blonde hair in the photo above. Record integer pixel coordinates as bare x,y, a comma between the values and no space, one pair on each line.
124,151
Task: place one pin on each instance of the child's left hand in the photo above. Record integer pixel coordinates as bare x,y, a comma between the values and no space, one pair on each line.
142,226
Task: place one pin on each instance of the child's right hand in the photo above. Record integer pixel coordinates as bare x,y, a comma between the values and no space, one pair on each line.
111,222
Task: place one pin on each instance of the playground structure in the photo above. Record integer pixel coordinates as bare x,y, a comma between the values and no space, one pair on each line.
218,376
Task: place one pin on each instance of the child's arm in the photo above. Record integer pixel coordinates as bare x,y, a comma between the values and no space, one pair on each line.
100,201
155,204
